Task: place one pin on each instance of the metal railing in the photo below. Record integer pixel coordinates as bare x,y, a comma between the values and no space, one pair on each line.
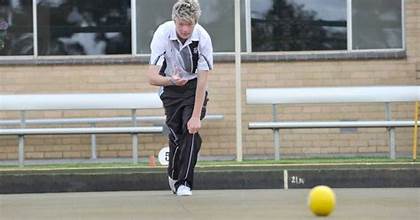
157,127
122,101
318,95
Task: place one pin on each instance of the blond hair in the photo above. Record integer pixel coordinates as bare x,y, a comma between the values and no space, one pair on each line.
187,10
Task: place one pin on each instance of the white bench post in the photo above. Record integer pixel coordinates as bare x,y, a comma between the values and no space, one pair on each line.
21,151
276,135
391,131
93,155
134,137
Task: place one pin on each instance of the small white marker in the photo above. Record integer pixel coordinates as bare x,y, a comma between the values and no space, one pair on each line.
286,179
164,156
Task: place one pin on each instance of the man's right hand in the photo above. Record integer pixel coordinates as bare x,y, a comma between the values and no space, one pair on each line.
178,81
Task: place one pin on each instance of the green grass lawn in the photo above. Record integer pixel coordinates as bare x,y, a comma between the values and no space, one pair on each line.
224,163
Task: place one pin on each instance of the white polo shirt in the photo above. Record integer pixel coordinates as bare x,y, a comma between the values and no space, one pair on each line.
186,59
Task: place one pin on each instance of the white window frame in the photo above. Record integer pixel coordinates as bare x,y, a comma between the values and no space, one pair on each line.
248,38
133,27
350,31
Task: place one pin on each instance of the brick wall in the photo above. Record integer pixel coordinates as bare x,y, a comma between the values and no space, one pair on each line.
219,136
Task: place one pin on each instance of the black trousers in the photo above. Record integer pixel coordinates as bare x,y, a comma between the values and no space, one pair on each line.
184,147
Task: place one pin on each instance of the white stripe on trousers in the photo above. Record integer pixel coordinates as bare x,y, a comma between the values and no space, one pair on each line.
176,149
191,152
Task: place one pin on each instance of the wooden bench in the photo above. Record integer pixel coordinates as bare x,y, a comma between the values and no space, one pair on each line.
329,95
59,102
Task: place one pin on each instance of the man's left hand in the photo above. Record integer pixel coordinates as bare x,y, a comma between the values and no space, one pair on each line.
193,125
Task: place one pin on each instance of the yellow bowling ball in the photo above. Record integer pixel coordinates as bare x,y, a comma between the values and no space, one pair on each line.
321,200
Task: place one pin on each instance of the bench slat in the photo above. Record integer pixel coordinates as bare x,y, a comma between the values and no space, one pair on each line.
59,131
80,101
330,124
317,95
153,119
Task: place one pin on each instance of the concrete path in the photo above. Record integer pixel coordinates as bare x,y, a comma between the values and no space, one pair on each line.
374,203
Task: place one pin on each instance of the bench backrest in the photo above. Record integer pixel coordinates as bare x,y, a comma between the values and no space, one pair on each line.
332,94
80,101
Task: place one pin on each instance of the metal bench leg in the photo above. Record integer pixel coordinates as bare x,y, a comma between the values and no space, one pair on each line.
21,150
93,155
391,132
134,137
277,144
391,141
276,135
135,148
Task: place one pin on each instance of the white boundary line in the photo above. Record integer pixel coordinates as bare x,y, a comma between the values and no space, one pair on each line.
286,179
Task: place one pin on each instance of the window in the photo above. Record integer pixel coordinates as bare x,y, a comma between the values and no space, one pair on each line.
217,18
299,25
16,28
148,20
104,27
377,24
318,25
84,27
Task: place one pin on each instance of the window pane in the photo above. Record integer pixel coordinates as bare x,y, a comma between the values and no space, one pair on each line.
298,25
217,18
84,27
16,28
377,24
150,14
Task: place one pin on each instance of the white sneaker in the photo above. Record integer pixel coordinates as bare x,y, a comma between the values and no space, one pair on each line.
183,190
172,184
